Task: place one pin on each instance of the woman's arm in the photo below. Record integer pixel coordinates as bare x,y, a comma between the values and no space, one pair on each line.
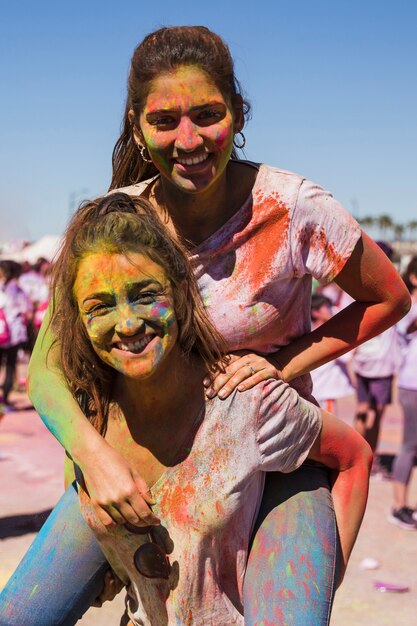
342,449
381,299
117,492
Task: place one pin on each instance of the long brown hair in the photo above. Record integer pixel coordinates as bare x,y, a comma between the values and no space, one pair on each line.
160,52
121,224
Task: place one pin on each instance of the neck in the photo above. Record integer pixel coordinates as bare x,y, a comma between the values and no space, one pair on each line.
164,398
196,216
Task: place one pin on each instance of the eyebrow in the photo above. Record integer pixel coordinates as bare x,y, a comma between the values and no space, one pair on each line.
141,284
198,107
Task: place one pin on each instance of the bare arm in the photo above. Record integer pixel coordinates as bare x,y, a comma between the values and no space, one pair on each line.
117,492
342,449
381,299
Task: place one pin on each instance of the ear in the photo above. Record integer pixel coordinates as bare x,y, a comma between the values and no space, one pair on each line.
137,133
239,118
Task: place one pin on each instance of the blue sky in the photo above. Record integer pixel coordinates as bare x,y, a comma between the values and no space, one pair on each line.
332,85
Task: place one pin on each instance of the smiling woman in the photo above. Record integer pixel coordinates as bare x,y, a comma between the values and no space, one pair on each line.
188,128
129,318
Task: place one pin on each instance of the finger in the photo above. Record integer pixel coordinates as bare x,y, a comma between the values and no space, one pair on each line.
138,513
247,367
254,380
240,379
108,515
211,376
142,488
221,379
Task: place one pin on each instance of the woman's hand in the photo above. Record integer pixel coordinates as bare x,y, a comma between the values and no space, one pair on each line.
244,371
117,492
112,585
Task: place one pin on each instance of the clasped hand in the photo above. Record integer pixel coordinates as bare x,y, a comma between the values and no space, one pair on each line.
244,371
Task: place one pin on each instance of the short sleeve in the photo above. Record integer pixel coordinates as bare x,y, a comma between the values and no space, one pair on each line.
323,234
287,427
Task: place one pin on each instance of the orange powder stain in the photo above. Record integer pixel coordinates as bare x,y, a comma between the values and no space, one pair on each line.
271,219
176,502
219,508
319,241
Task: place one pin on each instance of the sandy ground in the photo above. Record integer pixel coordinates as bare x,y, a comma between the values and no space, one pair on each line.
31,483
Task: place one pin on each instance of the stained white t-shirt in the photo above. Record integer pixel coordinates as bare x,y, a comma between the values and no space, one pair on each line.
208,504
255,272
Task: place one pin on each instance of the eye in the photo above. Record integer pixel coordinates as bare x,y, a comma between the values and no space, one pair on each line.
97,309
148,297
208,114
163,121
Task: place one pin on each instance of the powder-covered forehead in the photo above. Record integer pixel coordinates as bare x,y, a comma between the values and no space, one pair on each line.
114,271
181,87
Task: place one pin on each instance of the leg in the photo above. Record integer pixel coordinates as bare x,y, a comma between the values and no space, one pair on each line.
60,575
292,565
362,406
11,360
372,433
404,462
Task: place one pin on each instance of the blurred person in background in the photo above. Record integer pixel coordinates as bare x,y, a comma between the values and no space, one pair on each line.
34,280
331,381
374,364
17,309
402,515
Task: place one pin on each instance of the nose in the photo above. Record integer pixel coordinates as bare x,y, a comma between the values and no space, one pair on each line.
188,136
128,322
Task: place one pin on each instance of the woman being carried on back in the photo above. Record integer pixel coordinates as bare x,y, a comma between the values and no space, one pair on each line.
140,349
255,236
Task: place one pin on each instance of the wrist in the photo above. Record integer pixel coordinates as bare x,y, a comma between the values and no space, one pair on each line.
282,368
88,446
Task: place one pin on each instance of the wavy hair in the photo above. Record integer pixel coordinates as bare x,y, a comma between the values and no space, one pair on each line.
120,224
161,52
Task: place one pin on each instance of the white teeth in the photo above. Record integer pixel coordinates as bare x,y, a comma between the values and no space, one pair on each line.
134,346
192,160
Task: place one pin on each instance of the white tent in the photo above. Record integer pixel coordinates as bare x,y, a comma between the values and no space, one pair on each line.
46,247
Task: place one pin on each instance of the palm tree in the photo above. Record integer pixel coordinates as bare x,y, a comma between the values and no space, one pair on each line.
367,222
385,223
412,227
399,231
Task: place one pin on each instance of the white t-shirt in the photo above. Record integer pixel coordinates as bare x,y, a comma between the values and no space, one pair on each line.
255,272
331,381
208,504
407,377
379,357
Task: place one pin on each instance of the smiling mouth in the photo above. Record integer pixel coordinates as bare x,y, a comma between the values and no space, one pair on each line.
193,160
134,346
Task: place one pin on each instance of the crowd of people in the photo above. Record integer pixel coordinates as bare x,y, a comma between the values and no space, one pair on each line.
24,295
372,371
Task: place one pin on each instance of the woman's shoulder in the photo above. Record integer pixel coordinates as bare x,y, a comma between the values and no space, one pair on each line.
134,190
270,175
